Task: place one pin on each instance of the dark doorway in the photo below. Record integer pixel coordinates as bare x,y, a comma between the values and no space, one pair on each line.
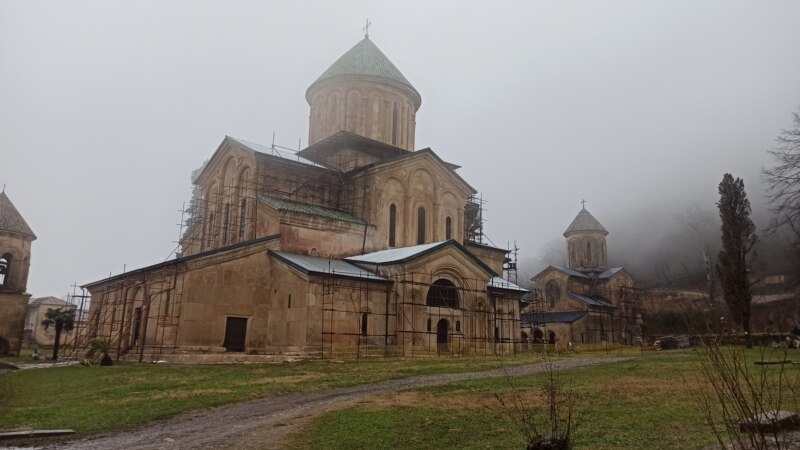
538,336
137,323
441,335
551,335
235,330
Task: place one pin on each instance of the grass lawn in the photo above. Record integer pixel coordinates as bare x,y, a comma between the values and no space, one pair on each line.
645,403
96,399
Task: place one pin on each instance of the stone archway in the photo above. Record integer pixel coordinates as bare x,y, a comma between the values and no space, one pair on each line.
551,337
442,332
538,336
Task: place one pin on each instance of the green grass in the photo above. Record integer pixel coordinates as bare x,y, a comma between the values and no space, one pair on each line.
96,399
645,403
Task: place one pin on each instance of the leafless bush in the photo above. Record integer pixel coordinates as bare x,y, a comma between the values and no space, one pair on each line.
546,421
732,390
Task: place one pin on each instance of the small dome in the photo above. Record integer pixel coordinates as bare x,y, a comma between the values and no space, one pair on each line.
366,60
11,220
585,222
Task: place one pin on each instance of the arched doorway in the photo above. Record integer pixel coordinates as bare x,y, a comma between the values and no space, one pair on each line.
442,328
551,337
538,336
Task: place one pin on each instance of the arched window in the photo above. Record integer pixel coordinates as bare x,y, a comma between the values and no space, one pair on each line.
458,325
394,125
242,210
552,293
442,293
429,324
210,233
573,250
603,252
421,225
392,225
5,268
448,228
225,222
588,252
364,322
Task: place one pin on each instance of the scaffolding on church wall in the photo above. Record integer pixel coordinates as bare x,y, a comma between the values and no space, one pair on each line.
407,326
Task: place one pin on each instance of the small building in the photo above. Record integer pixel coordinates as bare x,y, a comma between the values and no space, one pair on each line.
15,259
587,301
35,333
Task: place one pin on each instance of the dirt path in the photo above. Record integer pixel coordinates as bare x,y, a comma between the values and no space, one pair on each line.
264,423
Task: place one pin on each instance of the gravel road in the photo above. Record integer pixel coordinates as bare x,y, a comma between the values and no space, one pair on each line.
263,423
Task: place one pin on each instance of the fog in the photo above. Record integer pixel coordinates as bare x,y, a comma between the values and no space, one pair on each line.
637,107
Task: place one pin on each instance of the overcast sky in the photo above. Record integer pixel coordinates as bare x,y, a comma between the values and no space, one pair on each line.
637,107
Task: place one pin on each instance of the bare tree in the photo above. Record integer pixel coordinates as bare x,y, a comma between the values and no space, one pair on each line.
783,180
738,240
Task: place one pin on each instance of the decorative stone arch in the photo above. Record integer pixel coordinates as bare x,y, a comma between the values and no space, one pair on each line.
353,106
588,248
538,335
443,293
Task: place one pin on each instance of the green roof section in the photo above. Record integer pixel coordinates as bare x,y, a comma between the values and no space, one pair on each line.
310,210
365,59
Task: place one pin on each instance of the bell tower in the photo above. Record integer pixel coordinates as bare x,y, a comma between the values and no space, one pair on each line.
15,259
586,243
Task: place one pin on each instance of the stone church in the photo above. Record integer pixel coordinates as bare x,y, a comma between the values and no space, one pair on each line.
15,260
357,245
586,302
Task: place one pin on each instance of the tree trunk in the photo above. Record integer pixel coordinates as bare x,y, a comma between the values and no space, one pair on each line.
58,340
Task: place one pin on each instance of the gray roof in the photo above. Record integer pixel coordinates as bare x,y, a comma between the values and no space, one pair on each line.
610,272
326,266
11,220
49,301
394,254
539,318
571,272
282,153
594,300
585,222
502,283
310,209
365,59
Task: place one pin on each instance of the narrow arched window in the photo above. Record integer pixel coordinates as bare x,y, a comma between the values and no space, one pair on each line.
448,228
242,210
603,251
394,125
210,232
429,324
392,225
5,268
364,322
588,252
421,226
225,222
458,325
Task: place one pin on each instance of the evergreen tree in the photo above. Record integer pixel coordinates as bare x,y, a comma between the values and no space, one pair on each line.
738,240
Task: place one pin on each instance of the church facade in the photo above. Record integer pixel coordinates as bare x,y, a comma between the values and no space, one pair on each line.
586,302
357,245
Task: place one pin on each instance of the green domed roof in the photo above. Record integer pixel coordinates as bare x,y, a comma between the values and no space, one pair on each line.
365,59
585,222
